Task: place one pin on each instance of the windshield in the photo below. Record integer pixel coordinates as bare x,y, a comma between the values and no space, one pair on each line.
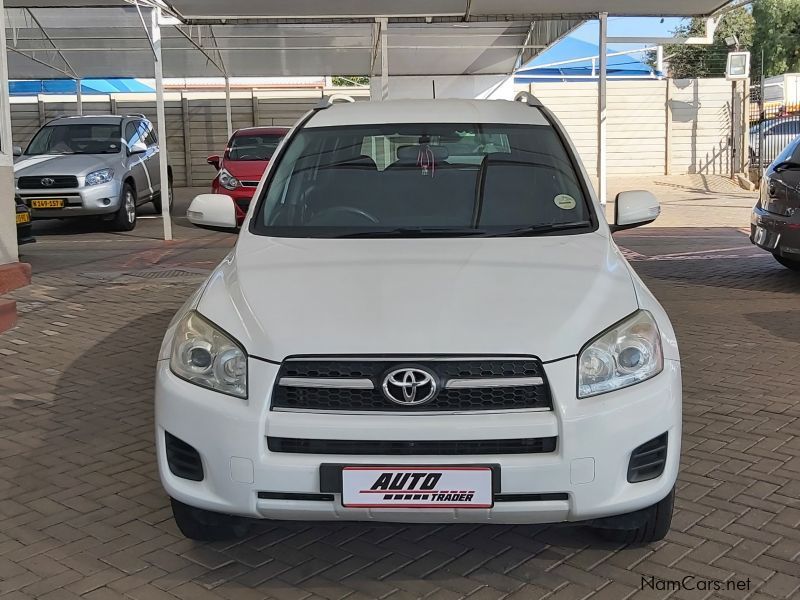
77,138
431,179
253,146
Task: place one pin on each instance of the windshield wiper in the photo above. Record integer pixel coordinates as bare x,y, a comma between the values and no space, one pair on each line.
412,232
537,229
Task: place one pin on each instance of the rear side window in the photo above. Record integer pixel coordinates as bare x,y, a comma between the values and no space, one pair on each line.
441,179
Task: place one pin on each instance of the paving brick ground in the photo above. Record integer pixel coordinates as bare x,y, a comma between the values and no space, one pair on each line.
83,514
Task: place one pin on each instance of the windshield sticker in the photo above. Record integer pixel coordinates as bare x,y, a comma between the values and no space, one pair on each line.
565,202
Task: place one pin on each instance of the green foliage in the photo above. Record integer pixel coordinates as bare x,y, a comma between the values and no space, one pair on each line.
689,61
349,80
777,33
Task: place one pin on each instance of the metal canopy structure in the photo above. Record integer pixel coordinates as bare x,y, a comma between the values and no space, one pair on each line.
199,38
109,41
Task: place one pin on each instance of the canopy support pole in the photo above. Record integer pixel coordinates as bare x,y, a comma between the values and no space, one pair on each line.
228,116
161,124
602,113
384,25
78,98
8,227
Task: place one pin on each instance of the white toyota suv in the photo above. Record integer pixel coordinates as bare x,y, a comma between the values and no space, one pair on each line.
424,319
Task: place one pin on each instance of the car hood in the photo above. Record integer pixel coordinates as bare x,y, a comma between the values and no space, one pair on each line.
63,164
246,169
543,296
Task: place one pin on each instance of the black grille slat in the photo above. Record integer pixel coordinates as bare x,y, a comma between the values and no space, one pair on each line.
461,399
35,182
648,460
412,448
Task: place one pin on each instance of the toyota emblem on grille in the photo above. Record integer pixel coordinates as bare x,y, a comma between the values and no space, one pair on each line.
410,386
47,181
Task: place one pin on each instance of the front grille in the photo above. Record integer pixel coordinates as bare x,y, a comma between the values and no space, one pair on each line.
58,182
183,460
486,384
412,448
648,460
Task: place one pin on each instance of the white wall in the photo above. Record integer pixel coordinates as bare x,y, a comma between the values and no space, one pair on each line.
8,226
460,86
649,132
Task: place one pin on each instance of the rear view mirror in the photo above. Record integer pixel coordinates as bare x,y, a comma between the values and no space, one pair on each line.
635,208
213,160
17,150
216,211
137,148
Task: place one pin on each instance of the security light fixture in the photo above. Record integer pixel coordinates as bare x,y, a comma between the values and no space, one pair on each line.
738,66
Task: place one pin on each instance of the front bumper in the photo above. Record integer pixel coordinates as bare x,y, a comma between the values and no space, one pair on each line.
595,440
100,199
775,233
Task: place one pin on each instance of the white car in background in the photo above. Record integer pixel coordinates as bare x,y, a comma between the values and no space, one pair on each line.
425,319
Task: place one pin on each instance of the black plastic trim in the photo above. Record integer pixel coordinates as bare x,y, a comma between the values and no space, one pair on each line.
295,496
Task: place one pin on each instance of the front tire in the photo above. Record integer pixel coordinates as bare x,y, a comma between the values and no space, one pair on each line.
206,526
644,526
789,263
125,218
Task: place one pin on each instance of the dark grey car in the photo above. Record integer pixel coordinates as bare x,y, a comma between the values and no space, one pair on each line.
91,165
775,222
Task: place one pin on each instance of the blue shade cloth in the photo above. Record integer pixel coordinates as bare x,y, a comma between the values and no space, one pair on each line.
624,66
68,86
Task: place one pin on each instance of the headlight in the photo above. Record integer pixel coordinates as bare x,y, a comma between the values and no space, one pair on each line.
205,356
228,181
101,176
626,354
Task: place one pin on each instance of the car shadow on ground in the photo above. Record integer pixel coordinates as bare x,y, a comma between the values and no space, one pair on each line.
100,450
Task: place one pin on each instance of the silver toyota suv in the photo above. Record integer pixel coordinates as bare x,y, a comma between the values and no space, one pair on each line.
105,165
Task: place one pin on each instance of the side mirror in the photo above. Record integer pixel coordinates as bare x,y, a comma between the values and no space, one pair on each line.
633,209
16,150
213,160
212,210
137,148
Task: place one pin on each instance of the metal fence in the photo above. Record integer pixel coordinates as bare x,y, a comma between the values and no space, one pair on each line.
772,127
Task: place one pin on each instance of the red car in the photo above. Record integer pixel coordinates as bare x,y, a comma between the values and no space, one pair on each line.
246,158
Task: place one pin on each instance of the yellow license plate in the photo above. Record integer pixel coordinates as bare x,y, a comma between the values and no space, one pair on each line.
23,218
49,203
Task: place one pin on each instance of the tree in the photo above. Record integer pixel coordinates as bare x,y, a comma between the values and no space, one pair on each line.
350,80
690,61
777,33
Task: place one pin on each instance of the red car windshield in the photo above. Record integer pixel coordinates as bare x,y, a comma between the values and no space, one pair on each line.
253,147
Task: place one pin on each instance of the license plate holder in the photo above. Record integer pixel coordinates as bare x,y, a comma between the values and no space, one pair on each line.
765,238
48,203
459,486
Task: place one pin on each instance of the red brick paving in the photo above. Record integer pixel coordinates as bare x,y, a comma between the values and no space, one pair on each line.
84,516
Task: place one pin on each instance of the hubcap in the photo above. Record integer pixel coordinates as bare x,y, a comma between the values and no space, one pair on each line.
130,207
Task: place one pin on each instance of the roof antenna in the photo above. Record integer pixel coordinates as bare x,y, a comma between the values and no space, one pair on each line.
433,86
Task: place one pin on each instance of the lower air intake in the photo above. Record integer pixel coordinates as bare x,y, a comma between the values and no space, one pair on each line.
183,460
648,460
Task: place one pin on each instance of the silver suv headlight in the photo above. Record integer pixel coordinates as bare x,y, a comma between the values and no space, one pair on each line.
626,354
228,181
206,356
101,176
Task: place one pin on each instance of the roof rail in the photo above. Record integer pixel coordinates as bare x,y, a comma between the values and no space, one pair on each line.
328,101
137,115
528,98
